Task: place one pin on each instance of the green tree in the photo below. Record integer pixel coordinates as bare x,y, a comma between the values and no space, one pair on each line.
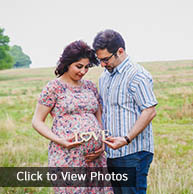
6,61
20,59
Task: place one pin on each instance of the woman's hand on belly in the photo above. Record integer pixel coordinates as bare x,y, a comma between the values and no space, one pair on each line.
68,142
92,156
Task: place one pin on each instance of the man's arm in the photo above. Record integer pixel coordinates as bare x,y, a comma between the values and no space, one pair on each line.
145,118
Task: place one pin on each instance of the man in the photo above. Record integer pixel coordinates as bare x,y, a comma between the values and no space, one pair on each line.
128,107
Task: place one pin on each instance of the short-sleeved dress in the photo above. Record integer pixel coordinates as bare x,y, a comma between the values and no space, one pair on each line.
73,109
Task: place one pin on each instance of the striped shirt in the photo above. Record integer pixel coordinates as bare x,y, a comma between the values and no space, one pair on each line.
125,93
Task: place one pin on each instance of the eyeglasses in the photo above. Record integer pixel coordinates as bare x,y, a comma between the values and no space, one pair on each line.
106,60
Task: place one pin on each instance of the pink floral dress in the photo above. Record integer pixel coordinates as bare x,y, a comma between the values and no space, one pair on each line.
73,110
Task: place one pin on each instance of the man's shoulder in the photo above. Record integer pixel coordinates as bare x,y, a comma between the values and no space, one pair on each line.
139,71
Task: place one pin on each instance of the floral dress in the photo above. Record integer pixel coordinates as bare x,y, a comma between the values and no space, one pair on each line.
73,109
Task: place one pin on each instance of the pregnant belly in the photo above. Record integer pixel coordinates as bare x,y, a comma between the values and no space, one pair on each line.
91,141
84,128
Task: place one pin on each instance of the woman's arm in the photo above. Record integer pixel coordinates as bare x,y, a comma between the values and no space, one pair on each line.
39,125
98,115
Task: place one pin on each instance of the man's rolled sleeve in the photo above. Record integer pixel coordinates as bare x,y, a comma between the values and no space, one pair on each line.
142,90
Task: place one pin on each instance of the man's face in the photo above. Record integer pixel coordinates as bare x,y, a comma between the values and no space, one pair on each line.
107,60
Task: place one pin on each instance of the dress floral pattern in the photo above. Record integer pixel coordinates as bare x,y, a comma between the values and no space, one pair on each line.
73,109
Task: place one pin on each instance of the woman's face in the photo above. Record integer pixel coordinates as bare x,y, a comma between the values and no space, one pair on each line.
78,69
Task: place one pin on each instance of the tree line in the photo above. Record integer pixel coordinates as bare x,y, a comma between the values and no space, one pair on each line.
11,57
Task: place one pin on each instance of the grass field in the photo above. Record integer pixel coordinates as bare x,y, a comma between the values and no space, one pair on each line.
172,169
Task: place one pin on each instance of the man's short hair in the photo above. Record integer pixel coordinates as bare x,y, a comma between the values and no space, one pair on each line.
110,40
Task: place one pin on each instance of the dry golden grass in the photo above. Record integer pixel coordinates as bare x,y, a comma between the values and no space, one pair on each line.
171,170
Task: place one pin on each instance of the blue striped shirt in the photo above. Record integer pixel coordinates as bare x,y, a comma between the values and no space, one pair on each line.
125,93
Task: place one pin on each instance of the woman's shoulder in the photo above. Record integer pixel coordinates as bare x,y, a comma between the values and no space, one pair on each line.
90,86
53,85
89,83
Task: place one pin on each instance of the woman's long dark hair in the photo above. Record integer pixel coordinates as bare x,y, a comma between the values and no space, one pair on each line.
74,52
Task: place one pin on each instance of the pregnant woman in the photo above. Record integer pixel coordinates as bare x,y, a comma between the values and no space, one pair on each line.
75,108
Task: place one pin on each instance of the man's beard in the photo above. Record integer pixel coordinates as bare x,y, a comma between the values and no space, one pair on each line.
110,70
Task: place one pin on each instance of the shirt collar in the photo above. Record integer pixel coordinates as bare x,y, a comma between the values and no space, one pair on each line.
119,68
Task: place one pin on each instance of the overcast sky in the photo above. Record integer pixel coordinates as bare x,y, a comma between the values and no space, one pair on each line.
153,29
